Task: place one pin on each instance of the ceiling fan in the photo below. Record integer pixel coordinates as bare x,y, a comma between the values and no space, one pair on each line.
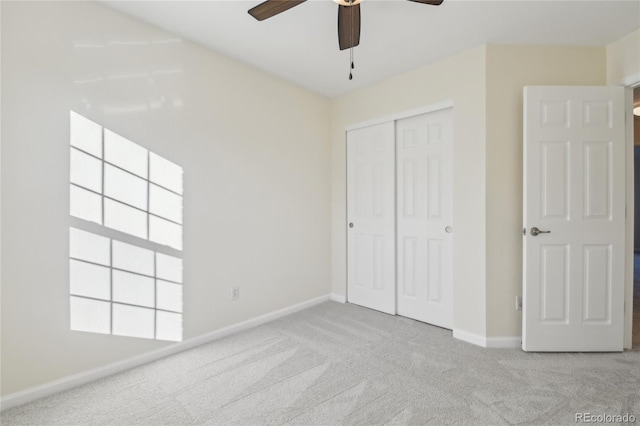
348,16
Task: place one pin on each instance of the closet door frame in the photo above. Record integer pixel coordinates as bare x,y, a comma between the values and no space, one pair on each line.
385,119
400,115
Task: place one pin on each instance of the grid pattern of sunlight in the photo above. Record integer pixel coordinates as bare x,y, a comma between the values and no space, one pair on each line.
122,289
116,287
123,186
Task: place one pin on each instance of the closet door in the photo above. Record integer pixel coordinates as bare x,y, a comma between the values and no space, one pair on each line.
424,212
370,217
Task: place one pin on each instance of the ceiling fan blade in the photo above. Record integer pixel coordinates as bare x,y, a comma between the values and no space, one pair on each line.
348,26
271,8
431,2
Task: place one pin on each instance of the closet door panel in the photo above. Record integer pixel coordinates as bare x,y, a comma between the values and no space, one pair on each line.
424,217
371,217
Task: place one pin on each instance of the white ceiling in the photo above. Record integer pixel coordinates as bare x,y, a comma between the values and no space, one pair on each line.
301,44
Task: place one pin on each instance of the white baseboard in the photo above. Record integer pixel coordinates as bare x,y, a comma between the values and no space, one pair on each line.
489,342
513,342
337,298
474,339
75,380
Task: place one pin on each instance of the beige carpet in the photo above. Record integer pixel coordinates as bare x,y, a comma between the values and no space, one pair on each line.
343,364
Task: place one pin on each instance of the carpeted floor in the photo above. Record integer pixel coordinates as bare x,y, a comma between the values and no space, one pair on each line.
345,364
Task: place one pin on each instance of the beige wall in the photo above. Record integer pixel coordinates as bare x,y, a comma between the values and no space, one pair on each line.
255,152
623,60
509,69
460,79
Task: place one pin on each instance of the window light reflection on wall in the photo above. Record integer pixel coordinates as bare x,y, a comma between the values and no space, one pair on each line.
116,287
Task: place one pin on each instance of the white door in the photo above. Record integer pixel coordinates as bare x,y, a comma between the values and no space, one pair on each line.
424,215
574,213
370,216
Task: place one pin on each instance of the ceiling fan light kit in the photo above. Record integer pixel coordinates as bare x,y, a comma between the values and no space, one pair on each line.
348,19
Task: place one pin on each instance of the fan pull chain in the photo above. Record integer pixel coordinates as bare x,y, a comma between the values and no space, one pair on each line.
351,43
352,66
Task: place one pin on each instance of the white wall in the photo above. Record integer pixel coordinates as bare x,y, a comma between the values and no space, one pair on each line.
623,60
460,79
255,152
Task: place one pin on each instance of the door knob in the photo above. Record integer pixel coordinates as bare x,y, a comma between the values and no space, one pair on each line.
350,224
448,229
535,231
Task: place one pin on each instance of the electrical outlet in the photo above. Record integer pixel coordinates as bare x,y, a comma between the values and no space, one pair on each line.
235,293
518,303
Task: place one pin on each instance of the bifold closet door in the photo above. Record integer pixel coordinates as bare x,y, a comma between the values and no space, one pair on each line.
370,217
424,217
